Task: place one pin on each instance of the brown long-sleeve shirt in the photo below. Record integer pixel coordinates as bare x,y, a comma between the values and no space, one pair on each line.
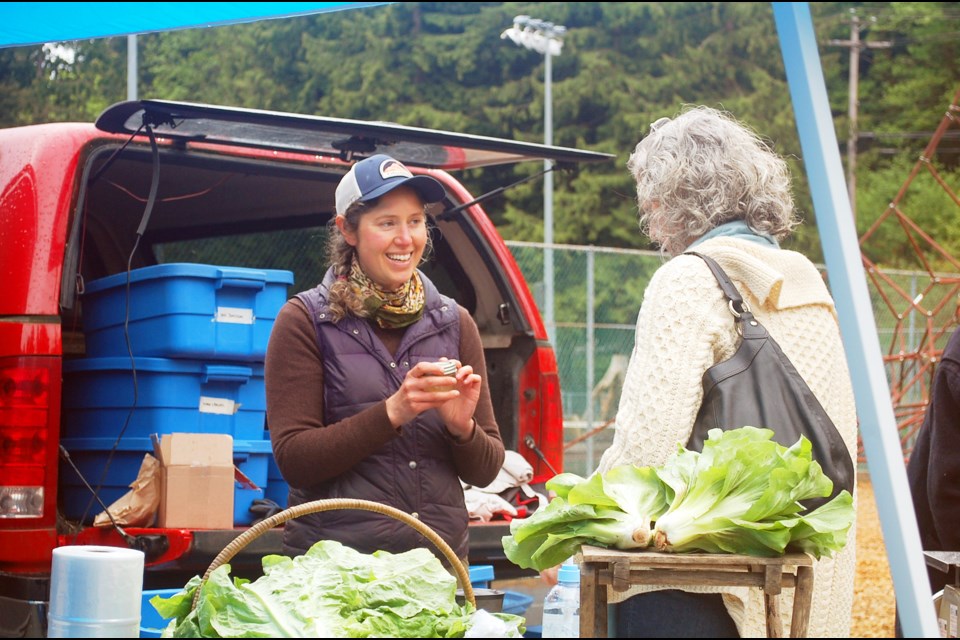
308,452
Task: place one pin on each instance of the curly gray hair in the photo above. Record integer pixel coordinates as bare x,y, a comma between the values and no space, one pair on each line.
704,168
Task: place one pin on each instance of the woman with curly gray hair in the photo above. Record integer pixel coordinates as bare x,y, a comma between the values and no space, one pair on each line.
706,182
704,170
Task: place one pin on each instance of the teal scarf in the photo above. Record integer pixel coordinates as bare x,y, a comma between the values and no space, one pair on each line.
736,229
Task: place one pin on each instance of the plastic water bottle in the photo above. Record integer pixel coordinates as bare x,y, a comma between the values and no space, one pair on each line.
561,607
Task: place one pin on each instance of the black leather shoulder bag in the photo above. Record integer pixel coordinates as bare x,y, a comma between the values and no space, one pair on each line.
759,386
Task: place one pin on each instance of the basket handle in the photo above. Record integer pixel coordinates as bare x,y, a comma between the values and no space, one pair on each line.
317,506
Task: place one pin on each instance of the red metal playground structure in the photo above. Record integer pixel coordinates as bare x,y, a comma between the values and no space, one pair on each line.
922,318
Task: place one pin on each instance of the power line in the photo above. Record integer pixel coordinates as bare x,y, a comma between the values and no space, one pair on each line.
912,135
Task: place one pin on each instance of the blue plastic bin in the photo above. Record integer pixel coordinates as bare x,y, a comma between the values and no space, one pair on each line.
184,310
481,575
151,623
90,455
192,396
516,603
252,458
277,488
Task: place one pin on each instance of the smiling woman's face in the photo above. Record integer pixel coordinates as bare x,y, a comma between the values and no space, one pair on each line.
390,238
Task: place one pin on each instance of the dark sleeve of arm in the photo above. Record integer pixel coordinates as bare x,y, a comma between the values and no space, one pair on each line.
478,460
306,450
943,476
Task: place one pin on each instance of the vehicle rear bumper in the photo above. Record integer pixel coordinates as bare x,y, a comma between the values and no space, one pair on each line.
23,605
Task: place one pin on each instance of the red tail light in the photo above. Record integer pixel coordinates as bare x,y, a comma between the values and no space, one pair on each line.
541,415
29,435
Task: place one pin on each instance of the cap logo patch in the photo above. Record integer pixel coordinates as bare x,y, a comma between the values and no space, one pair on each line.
393,169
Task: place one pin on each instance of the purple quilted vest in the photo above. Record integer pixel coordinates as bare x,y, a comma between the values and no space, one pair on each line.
414,472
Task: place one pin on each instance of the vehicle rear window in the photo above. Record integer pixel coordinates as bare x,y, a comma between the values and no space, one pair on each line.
302,251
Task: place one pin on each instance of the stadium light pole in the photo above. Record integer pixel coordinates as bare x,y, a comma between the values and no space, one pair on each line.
545,38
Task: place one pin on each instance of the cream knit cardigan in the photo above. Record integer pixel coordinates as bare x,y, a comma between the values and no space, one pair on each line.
683,328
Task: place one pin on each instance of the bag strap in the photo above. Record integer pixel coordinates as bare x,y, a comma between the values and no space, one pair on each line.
738,308
729,290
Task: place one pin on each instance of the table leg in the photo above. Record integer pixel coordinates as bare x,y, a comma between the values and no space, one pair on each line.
774,623
593,602
802,602
772,586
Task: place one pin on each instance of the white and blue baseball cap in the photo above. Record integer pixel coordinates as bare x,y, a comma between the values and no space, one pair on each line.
377,175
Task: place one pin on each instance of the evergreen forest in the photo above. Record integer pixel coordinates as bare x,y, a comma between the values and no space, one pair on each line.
444,65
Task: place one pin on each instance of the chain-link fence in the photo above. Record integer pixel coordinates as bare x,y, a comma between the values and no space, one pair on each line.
597,293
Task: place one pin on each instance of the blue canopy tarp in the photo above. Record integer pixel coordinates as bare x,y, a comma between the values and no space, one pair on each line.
31,23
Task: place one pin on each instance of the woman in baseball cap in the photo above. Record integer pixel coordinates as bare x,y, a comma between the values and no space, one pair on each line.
376,382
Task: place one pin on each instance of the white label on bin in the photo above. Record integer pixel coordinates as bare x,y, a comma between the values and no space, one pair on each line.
234,315
220,406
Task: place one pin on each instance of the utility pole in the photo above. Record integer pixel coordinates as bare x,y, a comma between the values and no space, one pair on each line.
855,45
132,67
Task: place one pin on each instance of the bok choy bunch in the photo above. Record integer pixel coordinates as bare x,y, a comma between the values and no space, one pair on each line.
616,509
742,494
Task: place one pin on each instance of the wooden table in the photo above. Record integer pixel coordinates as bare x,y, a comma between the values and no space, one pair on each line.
946,561
604,569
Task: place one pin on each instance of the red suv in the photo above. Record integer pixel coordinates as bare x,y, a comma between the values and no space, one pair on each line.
153,183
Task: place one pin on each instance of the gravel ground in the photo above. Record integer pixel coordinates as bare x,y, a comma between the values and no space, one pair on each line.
873,602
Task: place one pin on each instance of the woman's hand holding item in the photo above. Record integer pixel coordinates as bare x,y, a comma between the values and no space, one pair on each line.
428,386
458,412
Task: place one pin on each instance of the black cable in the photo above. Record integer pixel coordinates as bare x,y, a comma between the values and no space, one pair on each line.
148,209
130,540
449,213
113,156
532,444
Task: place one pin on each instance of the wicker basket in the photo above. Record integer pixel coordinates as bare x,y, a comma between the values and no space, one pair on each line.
317,506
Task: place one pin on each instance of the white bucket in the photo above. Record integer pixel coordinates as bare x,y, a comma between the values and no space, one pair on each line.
95,592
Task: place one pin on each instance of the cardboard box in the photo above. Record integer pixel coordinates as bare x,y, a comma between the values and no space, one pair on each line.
949,607
198,481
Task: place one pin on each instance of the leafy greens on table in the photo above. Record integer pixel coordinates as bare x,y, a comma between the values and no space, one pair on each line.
742,494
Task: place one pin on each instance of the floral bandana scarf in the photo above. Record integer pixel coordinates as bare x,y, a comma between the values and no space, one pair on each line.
391,309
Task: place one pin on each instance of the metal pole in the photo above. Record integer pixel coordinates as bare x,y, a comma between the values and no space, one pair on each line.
548,200
591,310
853,101
546,38
132,67
878,426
